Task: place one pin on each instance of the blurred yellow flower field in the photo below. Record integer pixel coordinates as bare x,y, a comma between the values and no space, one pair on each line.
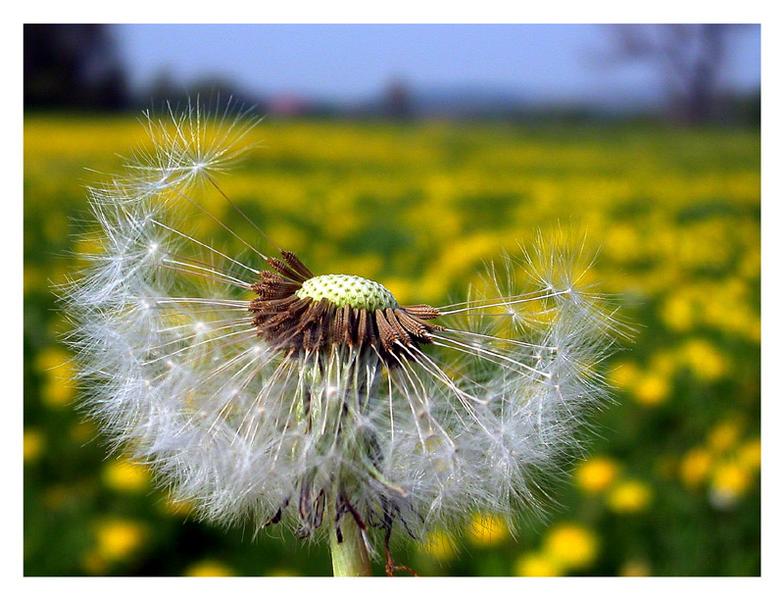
671,483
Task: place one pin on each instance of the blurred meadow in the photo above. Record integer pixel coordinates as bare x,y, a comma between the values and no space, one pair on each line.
670,482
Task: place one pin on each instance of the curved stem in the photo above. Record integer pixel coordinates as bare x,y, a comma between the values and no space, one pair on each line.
349,557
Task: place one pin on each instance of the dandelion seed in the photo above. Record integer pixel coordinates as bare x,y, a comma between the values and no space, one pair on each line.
259,390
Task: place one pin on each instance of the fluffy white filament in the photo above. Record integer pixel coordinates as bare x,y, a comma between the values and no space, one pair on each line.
174,370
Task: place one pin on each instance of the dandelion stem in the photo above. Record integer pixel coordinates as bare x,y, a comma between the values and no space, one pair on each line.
349,556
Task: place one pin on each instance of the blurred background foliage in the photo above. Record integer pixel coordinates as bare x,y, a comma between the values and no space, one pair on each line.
669,486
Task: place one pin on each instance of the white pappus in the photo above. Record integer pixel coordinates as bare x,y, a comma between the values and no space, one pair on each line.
261,391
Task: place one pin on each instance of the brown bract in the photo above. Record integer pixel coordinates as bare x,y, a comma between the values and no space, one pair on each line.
289,322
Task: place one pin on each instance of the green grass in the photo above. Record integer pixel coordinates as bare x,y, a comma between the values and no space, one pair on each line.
420,207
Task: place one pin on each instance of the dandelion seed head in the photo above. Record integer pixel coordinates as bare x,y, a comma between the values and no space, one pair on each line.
260,391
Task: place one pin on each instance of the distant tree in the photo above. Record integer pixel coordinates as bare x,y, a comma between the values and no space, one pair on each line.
397,100
211,91
163,86
72,66
690,59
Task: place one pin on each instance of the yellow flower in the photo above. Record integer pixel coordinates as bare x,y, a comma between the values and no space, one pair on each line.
651,389
52,359
695,466
723,436
730,480
678,313
439,545
624,374
208,568
629,497
750,454
487,529
58,371
536,565
596,474
58,393
125,476
33,444
704,360
753,329
622,243
119,538
571,546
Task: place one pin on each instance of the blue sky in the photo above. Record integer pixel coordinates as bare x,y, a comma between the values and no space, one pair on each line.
352,62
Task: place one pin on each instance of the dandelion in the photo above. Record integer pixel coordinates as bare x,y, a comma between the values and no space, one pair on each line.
707,363
57,371
208,568
117,539
652,389
729,482
439,545
34,444
125,476
629,497
571,546
624,374
259,390
596,474
749,454
537,565
487,530
695,466
724,435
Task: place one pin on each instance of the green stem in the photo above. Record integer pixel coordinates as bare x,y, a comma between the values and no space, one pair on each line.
349,557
